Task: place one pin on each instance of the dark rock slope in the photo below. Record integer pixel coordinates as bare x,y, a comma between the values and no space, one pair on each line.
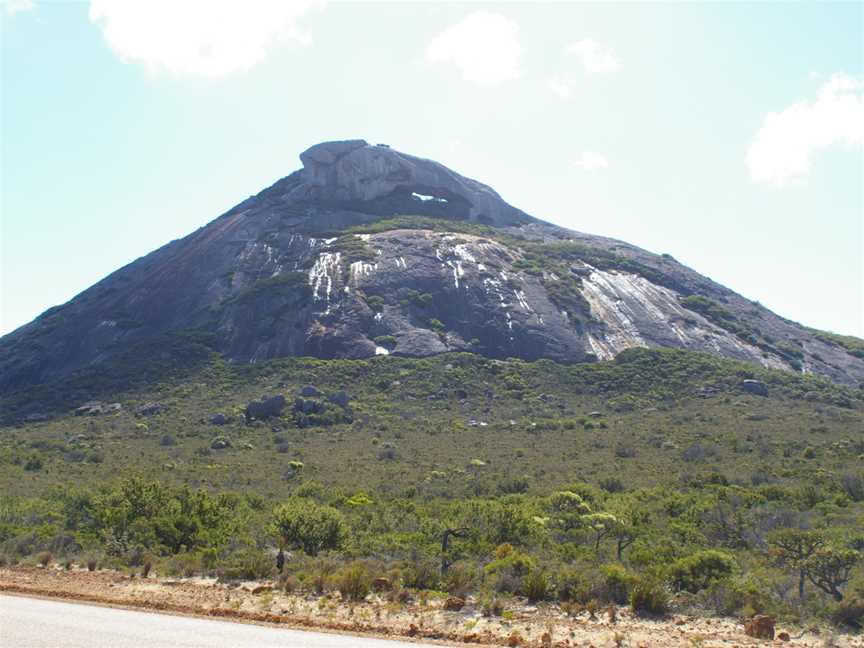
368,251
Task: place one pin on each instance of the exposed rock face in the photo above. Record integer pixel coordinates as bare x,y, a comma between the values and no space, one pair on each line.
97,408
150,409
351,172
278,275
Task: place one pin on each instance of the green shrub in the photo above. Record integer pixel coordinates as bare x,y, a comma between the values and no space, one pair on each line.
731,597
491,606
507,574
459,580
697,571
649,597
386,341
185,564
353,581
573,586
376,303
849,613
436,325
311,527
617,583
246,564
536,585
421,574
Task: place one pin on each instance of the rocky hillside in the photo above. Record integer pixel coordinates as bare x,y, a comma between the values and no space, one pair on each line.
368,251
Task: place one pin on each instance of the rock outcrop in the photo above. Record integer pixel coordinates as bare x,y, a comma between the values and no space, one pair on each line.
267,407
760,626
342,259
355,174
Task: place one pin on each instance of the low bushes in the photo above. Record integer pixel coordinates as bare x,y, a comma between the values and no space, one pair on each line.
353,581
697,571
649,597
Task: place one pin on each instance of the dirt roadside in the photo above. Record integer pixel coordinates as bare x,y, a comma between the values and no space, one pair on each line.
530,626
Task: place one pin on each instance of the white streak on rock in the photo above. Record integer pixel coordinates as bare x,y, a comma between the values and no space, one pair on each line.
359,269
461,250
320,275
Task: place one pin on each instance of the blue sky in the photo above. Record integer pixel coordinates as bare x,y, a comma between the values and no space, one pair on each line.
728,135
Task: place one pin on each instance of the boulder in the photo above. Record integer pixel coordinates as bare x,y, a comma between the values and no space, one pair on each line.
453,604
150,409
220,443
340,398
310,391
381,584
97,408
756,387
784,636
267,407
760,626
308,406
219,419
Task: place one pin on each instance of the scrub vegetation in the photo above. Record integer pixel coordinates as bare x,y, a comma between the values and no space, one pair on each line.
655,480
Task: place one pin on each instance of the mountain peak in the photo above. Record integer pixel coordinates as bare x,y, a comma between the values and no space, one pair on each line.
357,175
370,251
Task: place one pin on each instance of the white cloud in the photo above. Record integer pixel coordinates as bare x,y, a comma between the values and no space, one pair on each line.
484,46
590,161
210,38
596,59
560,85
788,139
13,7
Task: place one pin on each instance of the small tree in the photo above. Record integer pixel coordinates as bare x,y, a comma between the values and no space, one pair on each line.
309,526
446,558
829,569
601,526
632,519
567,510
793,548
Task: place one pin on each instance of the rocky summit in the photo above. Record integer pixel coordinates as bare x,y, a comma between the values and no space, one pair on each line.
368,251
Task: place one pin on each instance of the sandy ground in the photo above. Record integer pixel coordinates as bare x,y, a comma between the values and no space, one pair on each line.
540,626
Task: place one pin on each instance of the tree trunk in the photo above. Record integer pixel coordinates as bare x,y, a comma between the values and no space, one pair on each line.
801,584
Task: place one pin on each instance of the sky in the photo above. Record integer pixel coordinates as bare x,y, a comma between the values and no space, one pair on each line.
729,135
